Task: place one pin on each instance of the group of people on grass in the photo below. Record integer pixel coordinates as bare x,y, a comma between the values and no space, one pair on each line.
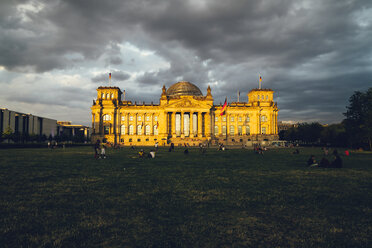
324,162
99,150
100,153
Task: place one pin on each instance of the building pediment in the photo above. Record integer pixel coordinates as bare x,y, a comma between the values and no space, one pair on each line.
188,103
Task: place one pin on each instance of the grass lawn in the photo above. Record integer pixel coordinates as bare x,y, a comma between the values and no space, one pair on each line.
234,198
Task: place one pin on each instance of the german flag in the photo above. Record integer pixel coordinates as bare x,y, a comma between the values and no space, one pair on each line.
110,75
223,107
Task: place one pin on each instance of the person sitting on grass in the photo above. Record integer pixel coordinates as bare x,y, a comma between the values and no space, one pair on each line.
141,153
337,163
312,161
151,154
296,151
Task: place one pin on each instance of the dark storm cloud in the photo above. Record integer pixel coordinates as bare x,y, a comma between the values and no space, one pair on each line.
305,49
116,76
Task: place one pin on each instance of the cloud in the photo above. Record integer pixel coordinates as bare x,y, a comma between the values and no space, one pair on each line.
304,49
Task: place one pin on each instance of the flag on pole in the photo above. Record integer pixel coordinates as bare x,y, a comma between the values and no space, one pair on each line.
260,79
110,75
223,107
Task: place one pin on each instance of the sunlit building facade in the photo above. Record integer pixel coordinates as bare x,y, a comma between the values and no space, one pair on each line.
184,116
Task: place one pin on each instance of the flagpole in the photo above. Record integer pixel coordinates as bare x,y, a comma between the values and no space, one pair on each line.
226,123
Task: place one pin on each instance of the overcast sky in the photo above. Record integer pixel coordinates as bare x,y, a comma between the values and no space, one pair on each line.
314,54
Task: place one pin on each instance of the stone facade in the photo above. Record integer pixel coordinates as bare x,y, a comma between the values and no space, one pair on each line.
183,116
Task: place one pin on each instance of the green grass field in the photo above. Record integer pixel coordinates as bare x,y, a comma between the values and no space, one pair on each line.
234,198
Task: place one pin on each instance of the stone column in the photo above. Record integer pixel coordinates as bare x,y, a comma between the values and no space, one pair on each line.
244,126
276,122
191,134
173,119
152,124
182,124
135,124
200,124
207,122
127,126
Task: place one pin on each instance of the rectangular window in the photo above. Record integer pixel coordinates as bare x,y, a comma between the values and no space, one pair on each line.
139,118
239,130
216,118
240,119
147,118
232,130
231,118
224,118
156,118
130,130
122,130
123,118
247,130
247,120
224,130
131,118
139,130
215,130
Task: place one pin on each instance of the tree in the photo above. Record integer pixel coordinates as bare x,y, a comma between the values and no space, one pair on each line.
358,122
8,134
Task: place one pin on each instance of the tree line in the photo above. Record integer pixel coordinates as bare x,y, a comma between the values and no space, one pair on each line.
354,131
9,135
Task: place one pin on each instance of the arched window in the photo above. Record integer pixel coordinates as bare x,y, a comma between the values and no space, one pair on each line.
156,130
107,117
122,129
224,130
239,130
232,130
215,130
139,130
263,130
258,97
263,118
107,96
247,130
147,130
130,129
267,97
103,96
112,96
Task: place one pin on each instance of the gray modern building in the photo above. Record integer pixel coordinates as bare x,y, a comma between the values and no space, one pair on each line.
26,123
